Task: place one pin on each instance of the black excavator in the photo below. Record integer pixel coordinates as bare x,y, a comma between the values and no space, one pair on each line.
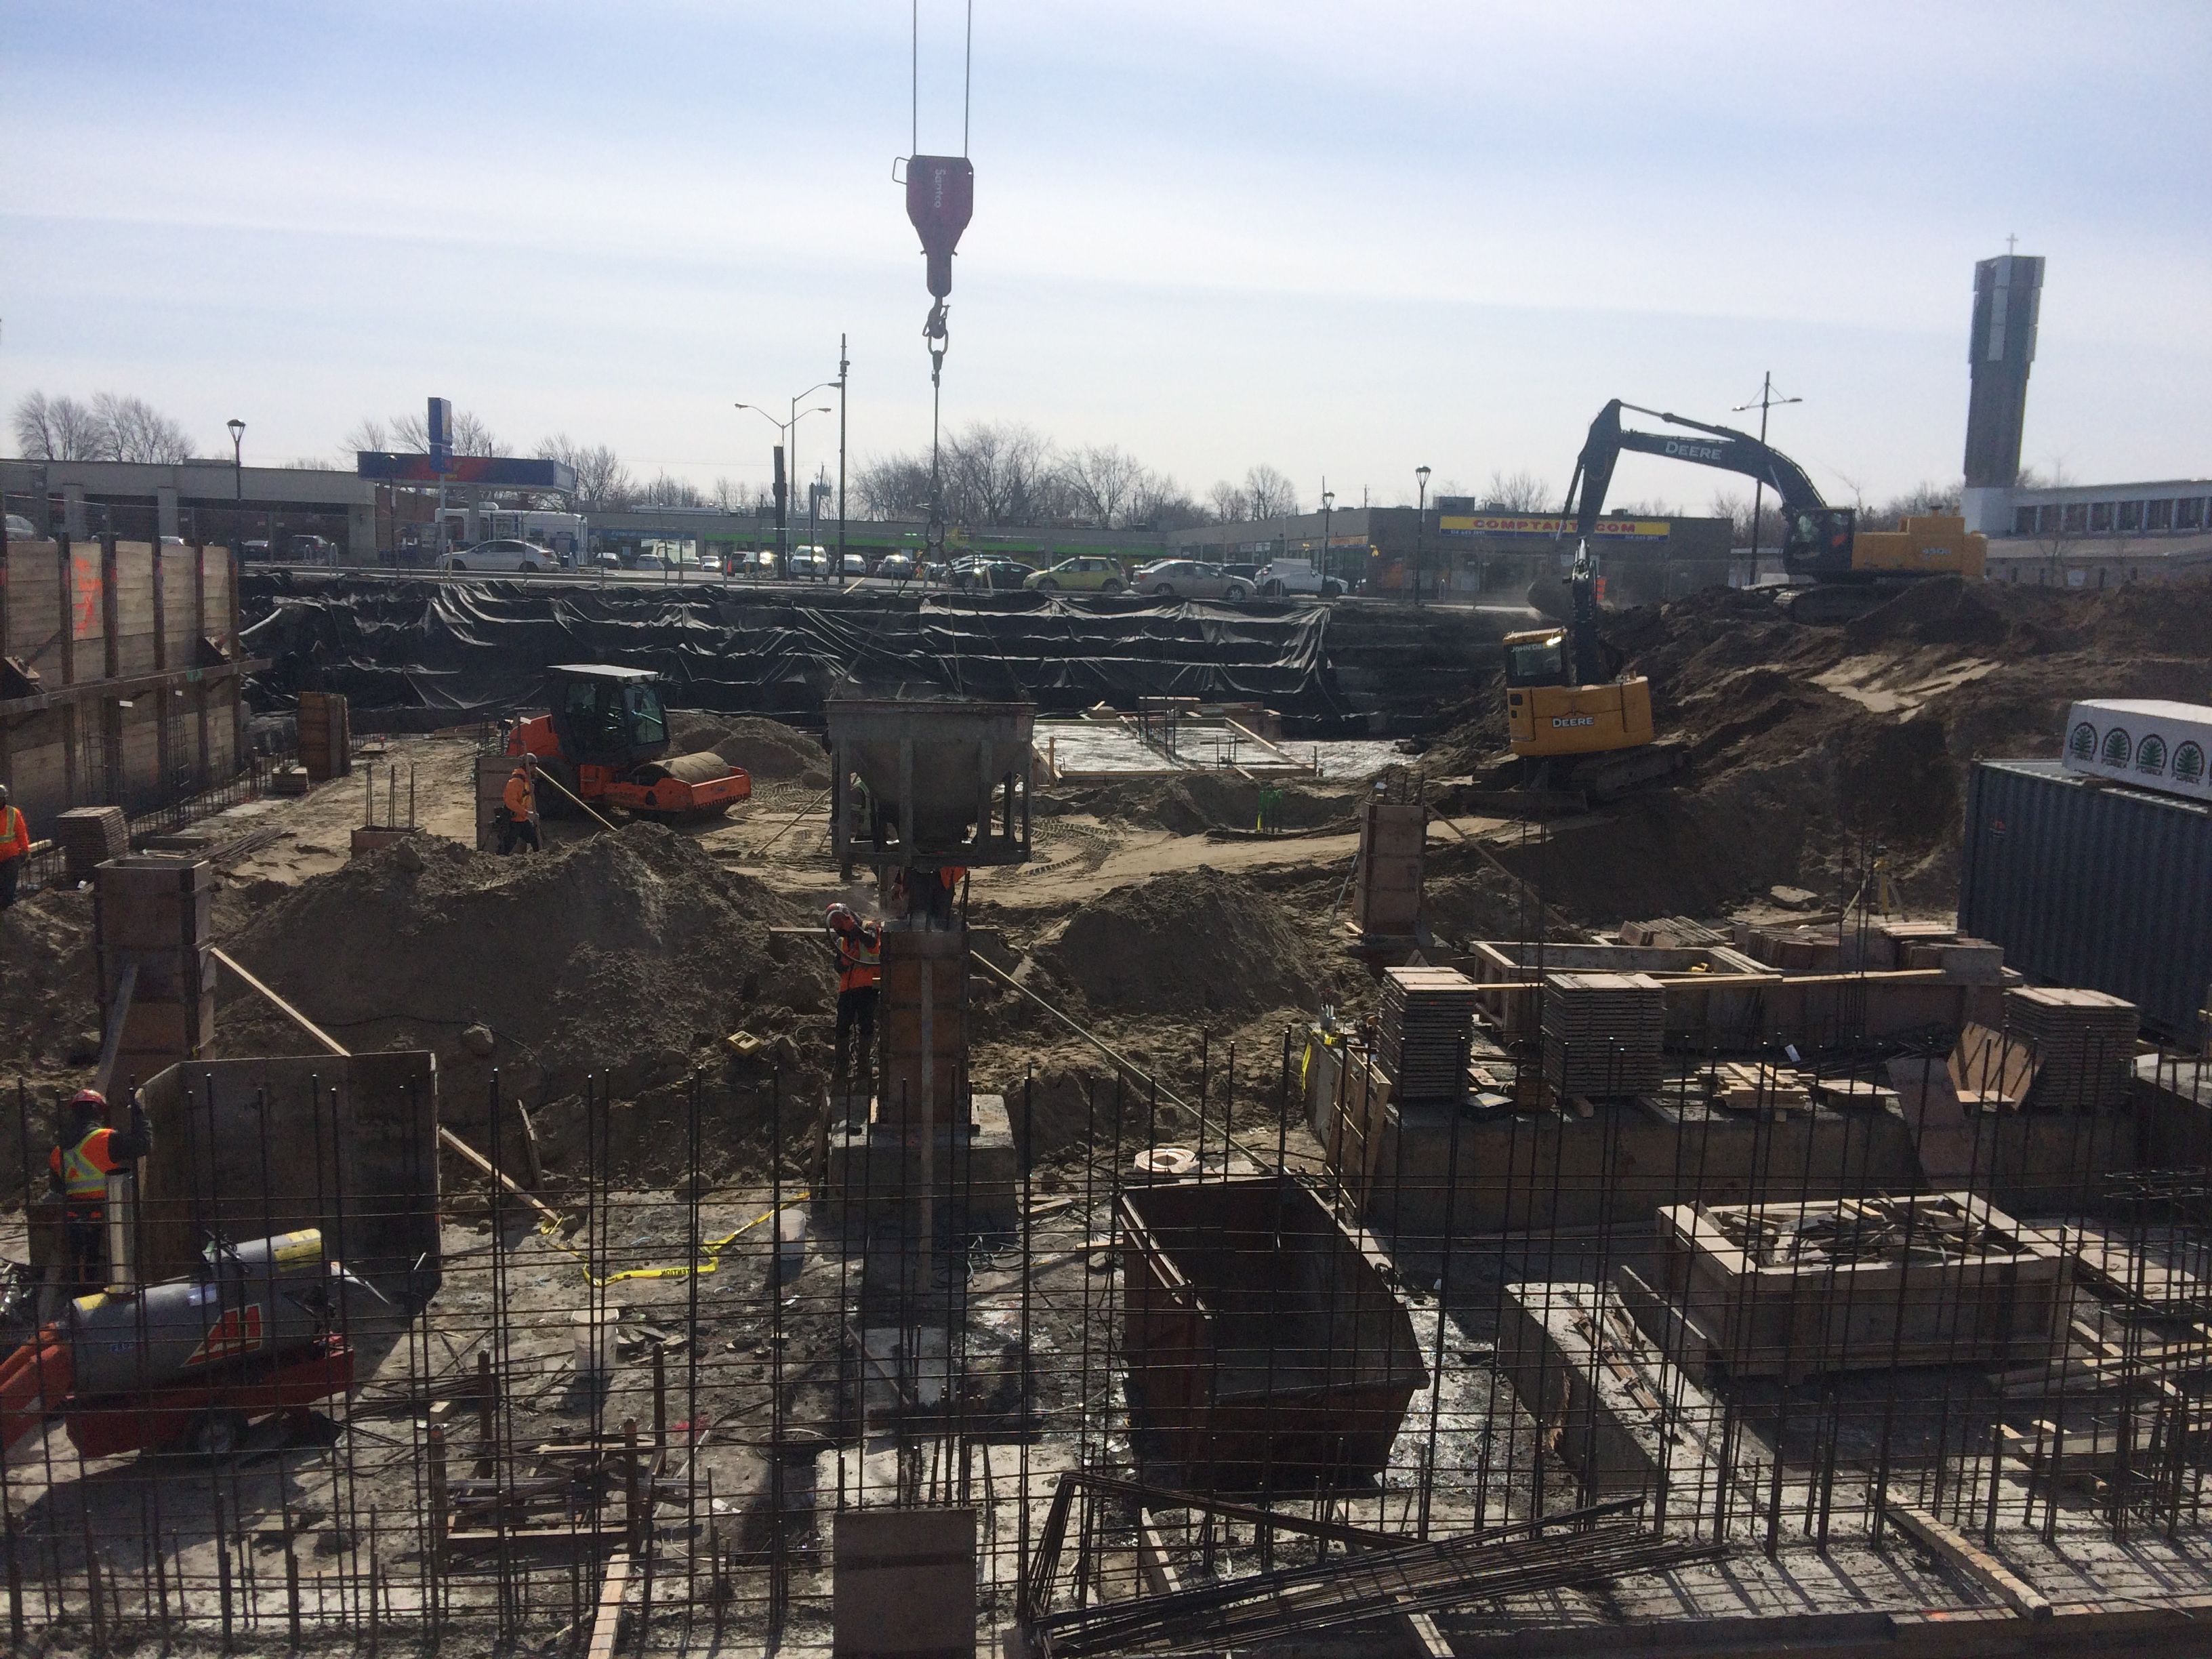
1834,571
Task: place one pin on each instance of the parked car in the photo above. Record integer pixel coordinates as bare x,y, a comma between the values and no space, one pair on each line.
896,567
856,564
980,570
1187,579
20,529
710,564
310,550
524,558
1249,573
1280,578
1082,575
808,561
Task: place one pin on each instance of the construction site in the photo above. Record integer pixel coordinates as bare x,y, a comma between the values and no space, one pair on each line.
910,1121
1297,1194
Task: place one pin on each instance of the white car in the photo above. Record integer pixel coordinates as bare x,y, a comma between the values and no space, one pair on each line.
524,558
1281,578
855,565
897,567
806,562
18,529
1188,578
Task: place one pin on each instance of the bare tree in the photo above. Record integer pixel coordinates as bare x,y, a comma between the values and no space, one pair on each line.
59,429
136,431
410,433
1736,509
1521,491
1003,473
602,481
1158,502
366,436
666,491
891,486
1923,499
1270,492
2053,533
1226,504
1105,480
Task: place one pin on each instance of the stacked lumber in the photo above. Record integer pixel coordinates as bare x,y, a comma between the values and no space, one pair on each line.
1603,1034
2084,1044
90,835
1428,1018
1673,933
1736,1086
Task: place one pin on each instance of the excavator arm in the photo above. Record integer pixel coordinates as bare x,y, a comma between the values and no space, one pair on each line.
1818,539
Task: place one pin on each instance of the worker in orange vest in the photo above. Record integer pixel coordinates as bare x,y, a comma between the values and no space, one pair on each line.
88,1152
14,848
520,803
860,967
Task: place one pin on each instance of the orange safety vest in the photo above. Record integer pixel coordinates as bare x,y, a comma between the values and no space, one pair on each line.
518,794
85,1167
860,956
14,834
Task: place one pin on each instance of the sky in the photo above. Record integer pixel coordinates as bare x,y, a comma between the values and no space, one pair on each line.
1343,240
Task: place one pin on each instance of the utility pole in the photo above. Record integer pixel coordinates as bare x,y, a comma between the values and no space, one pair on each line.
1766,400
1420,532
844,369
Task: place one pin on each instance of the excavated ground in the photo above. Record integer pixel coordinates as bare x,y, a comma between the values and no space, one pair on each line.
626,959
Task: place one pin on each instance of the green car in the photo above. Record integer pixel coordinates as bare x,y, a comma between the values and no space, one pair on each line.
1089,575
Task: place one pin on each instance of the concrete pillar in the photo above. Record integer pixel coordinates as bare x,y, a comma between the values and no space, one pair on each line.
165,510
73,512
360,532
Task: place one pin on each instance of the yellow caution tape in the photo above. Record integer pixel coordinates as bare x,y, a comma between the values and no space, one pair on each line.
710,1250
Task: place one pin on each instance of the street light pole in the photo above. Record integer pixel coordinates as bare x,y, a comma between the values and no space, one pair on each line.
1327,506
1766,400
787,430
844,369
1420,531
237,483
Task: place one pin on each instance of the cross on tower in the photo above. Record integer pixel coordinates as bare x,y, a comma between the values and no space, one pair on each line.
2010,243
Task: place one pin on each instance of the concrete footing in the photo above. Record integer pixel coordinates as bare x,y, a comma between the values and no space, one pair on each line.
874,1172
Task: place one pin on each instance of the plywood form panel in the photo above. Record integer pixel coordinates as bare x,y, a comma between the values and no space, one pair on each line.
177,605
34,592
87,600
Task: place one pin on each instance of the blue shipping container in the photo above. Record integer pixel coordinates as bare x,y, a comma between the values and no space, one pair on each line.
2087,883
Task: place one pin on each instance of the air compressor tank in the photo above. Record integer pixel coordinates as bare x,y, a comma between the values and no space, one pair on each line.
257,1299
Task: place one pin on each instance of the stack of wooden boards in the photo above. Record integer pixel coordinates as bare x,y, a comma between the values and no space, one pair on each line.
1747,1086
1428,1020
90,835
1603,1034
2084,1044
1672,933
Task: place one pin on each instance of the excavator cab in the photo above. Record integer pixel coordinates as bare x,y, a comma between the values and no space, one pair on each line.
1817,542
608,716
1536,658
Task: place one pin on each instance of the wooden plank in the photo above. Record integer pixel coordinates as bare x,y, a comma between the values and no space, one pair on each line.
1160,1576
606,1621
1972,1559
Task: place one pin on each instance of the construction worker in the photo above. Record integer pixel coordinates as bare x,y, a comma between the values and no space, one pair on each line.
14,848
519,804
860,958
88,1152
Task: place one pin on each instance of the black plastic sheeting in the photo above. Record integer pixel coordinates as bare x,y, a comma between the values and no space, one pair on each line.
419,655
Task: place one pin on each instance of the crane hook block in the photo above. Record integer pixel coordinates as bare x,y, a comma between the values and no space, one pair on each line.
940,195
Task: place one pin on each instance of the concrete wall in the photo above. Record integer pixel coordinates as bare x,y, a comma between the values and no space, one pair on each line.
130,706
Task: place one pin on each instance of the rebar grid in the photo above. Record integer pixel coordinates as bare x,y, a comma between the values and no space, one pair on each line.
477,1480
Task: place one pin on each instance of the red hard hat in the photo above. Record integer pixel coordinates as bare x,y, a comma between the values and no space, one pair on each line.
89,1097
831,915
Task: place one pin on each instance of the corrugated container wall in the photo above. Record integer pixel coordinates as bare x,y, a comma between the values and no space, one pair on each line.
2105,888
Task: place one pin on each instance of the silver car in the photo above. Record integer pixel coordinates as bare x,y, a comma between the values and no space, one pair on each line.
1187,579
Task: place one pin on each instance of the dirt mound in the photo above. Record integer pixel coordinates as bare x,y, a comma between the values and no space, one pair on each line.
1188,943
1811,746
626,957
767,749
49,1017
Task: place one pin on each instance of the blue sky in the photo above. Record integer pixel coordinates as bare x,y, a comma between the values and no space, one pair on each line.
1339,239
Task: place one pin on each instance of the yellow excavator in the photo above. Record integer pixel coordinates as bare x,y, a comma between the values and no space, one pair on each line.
1573,729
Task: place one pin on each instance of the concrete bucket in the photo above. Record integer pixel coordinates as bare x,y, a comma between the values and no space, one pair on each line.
945,782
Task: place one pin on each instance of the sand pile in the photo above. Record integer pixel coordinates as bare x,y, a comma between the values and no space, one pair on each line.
1186,944
49,1019
767,749
627,956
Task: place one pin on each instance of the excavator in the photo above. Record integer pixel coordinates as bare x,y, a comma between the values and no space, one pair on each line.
1834,570
1573,728
606,741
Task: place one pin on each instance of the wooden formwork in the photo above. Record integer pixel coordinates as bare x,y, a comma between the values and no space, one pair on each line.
1940,1279
1386,892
